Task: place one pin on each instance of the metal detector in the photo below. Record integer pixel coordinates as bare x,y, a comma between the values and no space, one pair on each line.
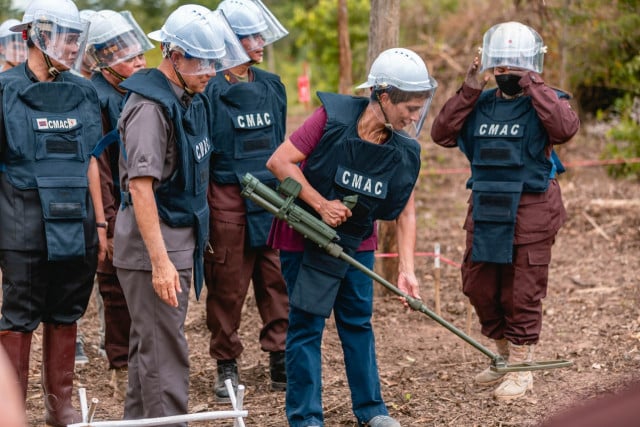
281,204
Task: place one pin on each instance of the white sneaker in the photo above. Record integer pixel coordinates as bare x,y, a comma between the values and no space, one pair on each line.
383,421
514,386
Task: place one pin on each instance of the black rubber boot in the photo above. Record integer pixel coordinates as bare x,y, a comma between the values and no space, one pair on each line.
227,369
278,371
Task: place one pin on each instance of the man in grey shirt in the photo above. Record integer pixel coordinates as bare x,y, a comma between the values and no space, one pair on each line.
162,226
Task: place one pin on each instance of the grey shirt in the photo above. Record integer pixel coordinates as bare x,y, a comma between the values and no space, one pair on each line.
149,141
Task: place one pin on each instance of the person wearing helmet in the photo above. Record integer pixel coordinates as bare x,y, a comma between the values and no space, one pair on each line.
50,200
516,209
13,49
162,226
88,63
116,44
248,119
351,146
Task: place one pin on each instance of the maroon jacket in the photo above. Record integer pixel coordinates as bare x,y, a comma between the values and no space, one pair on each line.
540,215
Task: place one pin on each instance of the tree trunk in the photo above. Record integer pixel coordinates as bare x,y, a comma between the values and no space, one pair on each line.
344,47
384,27
384,30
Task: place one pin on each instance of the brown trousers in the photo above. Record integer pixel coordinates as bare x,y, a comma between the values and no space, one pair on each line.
508,297
117,321
228,272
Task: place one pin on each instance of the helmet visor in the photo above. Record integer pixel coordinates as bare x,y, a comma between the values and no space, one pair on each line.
415,127
117,50
234,53
512,45
60,40
254,24
124,41
13,49
192,66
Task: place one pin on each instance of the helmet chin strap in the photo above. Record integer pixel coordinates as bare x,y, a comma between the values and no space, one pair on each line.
53,71
387,123
109,70
184,84
166,50
115,74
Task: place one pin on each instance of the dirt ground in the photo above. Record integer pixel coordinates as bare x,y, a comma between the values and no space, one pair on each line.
591,317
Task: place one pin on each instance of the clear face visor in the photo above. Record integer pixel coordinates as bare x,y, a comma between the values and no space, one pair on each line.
515,46
261,30
234,53
122,44
191,66
415,127
63,42
119,49
13,49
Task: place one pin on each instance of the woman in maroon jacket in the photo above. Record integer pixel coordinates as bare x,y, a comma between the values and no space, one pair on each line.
515,209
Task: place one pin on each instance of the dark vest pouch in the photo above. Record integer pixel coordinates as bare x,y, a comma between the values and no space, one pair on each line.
64,209
319,277
202,237
258,219
495,205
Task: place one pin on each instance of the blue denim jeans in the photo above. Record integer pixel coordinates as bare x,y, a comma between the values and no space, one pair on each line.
352,312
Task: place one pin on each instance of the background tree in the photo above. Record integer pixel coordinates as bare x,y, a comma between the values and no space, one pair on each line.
344,47
384,30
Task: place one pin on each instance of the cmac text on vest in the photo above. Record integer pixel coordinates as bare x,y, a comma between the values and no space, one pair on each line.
500,129
253,120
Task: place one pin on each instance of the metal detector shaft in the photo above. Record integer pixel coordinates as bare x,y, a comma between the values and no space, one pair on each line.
326,237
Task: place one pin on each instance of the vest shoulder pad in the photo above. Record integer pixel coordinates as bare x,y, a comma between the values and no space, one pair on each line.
261,74
341,109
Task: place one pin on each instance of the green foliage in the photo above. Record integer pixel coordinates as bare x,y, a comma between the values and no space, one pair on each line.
315,39
625,138
7,12
605,44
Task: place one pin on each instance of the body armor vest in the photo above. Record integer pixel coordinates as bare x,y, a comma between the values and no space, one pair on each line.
342,164
111,102
51,129
505,142
249,126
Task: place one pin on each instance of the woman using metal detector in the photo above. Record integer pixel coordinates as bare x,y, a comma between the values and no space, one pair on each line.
350,146
327,238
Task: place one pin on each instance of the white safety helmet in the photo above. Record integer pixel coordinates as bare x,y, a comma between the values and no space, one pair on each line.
5,27
56,28
512,44
401,68
200,34
13,48
252,19
404,70
88,62
86,14
115,37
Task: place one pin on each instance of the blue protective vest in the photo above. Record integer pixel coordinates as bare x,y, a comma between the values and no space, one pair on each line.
182,199
342,164
51,129
111,102
505,142
249,125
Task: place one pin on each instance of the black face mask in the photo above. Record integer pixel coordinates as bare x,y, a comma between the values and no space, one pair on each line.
508,84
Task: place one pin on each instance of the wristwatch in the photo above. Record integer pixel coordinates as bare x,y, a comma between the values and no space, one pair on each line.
104,225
